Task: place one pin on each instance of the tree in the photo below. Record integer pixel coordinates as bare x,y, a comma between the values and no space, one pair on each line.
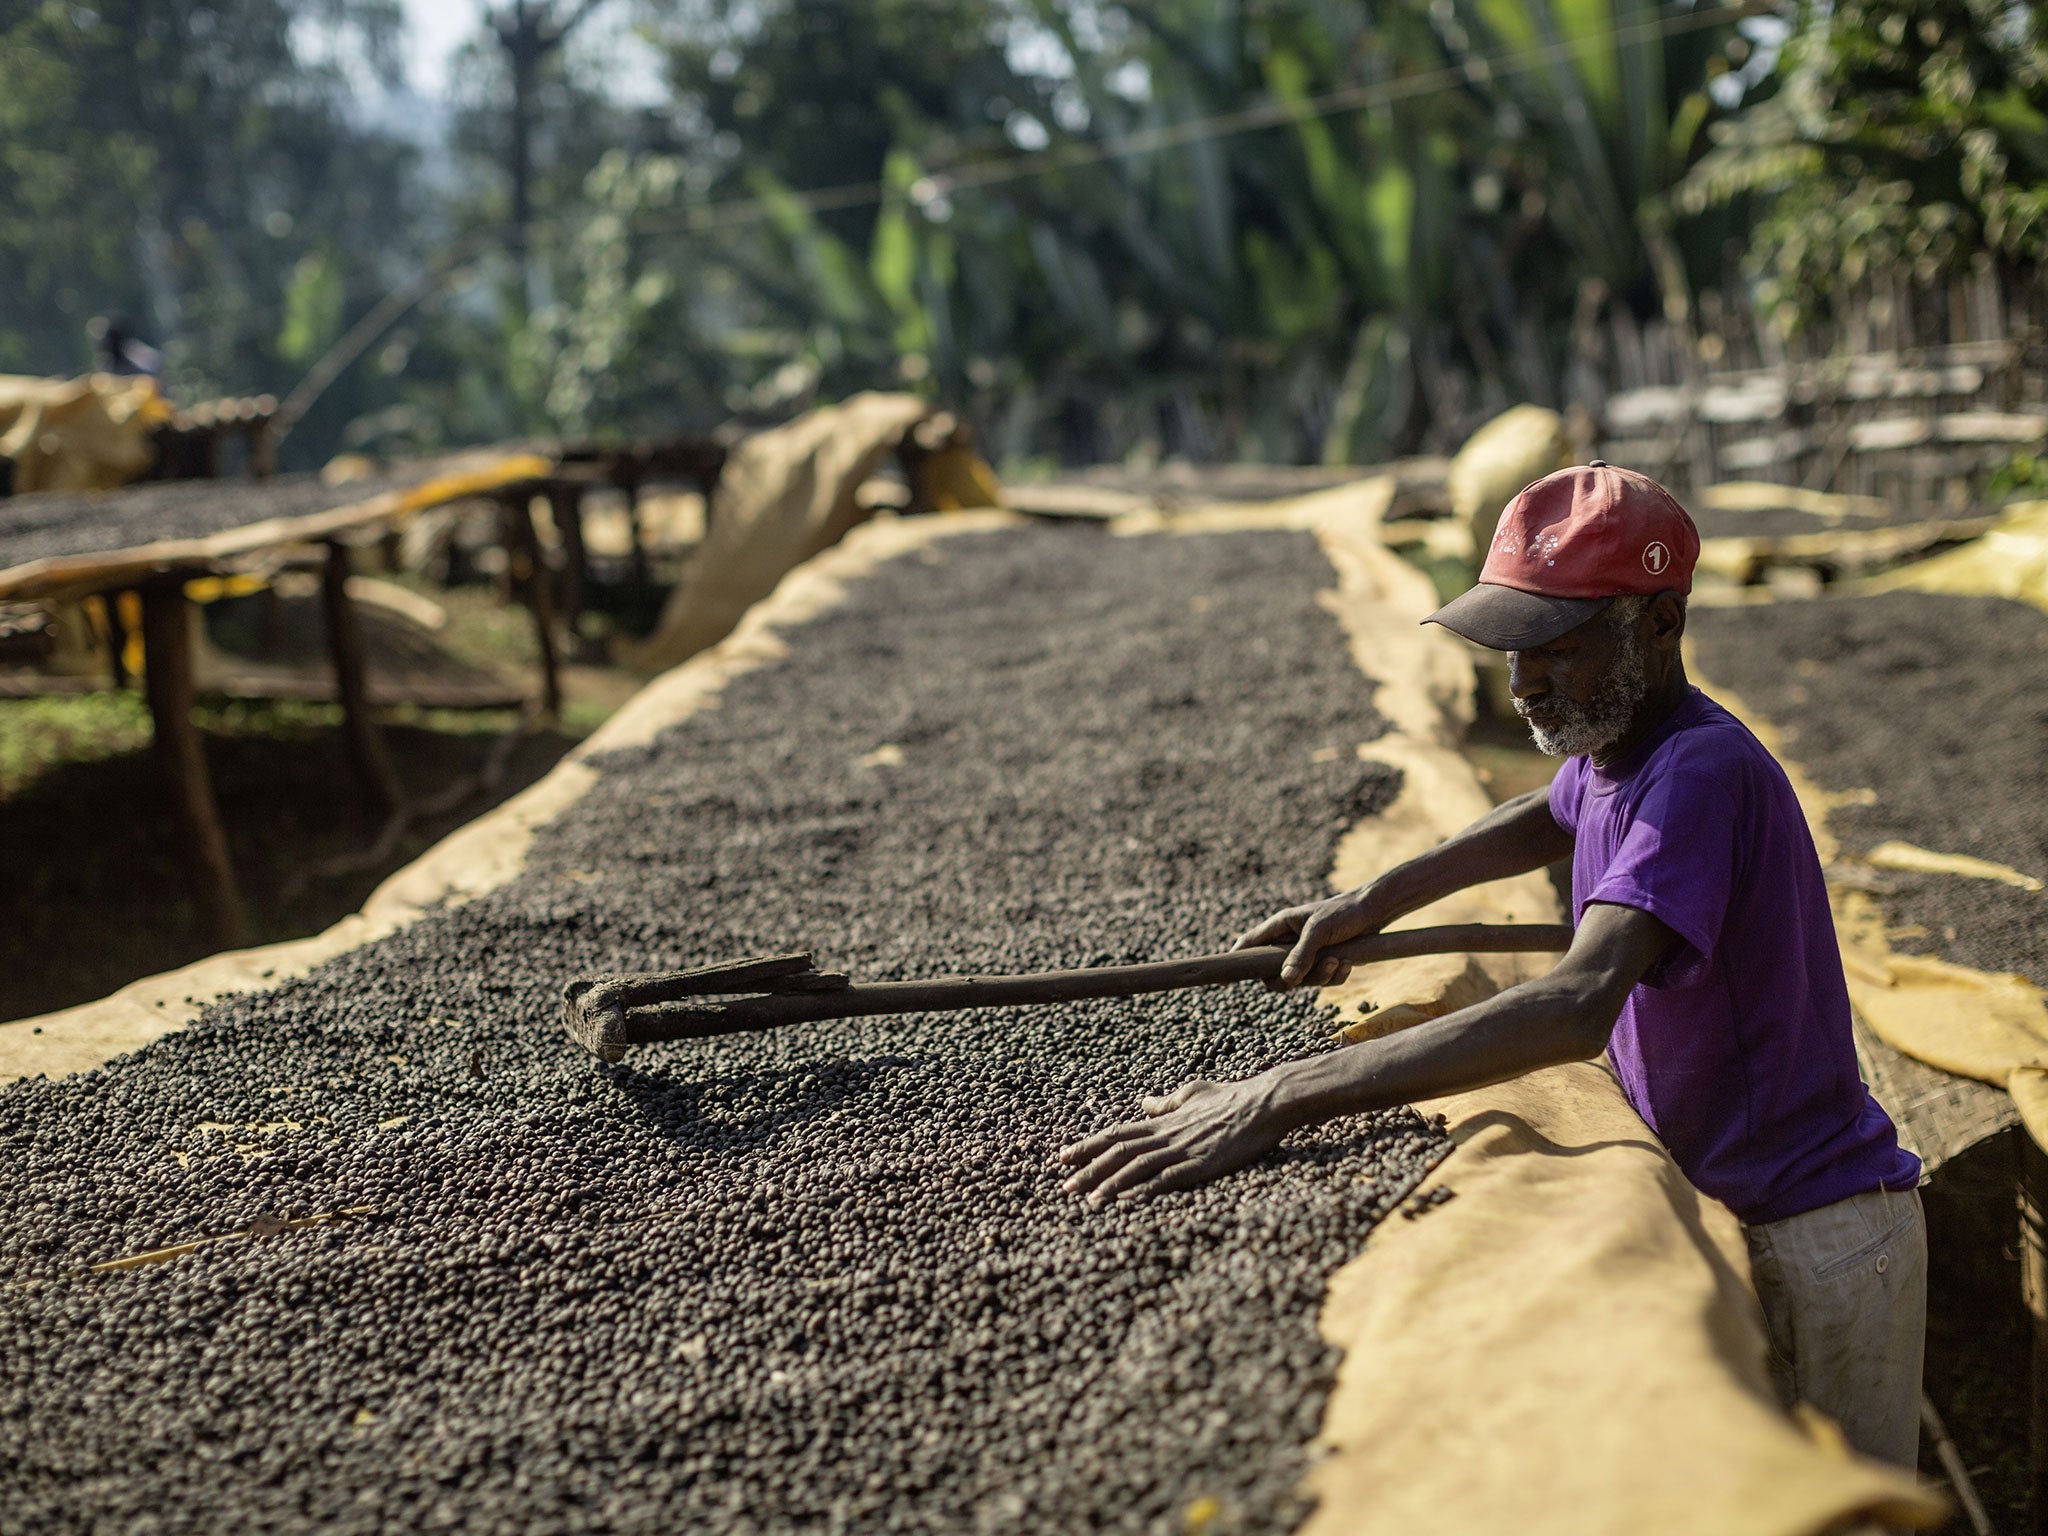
1900,135
1207,257
531,34
180,164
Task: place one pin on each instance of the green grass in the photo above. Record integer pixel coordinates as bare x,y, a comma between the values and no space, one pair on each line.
37,735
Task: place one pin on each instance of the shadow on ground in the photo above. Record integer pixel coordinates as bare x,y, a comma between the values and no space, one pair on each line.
1977,1325
96,893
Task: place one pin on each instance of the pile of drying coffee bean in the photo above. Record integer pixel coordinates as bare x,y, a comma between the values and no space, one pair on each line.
821,1279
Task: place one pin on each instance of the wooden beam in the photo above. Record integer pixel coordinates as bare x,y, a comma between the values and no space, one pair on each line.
527,573
181,757
2033,1203
366,750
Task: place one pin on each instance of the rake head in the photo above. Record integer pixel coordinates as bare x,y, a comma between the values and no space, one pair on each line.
599,1010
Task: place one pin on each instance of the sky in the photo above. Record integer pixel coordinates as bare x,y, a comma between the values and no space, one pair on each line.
437,28
434,30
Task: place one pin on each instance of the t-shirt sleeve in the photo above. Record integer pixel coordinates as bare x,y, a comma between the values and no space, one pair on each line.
1677,863
1564,795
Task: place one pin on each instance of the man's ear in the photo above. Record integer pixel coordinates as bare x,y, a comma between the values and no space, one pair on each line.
1666,617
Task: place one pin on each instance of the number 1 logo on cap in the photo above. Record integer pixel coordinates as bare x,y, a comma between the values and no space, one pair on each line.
1656,557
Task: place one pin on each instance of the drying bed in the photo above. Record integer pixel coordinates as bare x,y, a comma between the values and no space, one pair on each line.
55,524
1933,704
821,1279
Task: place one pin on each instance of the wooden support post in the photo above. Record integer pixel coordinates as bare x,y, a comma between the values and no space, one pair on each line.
262,450
565,505
117,639
628,483
366,749
527,573
707,486
2034,1288
167,655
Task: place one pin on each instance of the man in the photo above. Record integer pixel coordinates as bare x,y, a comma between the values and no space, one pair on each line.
1704,961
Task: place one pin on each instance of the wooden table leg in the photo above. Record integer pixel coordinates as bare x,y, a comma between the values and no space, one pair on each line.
565,504
262,450
528,574
117,638
707,486
181,757
366,749
629,487
2034,1288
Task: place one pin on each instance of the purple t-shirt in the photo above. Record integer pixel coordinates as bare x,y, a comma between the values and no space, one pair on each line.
1736,1047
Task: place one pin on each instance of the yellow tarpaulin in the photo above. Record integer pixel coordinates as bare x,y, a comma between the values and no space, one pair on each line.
60,577
784,495
1518,446
1918,860
1767,496
2011,560
87,434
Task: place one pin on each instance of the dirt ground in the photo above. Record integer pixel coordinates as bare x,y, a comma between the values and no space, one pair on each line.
1977,1326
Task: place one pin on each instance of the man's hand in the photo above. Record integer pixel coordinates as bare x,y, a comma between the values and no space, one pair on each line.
1514,837
1199,1132
1312,929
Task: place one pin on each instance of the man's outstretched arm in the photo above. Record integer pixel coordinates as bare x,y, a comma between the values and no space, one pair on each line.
1204,1130
1513,838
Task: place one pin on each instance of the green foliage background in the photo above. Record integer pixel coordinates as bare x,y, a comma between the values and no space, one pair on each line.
1295,230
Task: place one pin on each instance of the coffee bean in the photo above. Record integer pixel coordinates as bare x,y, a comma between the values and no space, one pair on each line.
822,1278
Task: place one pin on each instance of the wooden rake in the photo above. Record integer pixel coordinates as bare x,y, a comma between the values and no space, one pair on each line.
607,1013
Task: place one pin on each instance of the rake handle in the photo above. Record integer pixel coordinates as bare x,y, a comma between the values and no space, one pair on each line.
644,1023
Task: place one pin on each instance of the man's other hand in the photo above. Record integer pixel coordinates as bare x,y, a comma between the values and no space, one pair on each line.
1199,1132
1310,930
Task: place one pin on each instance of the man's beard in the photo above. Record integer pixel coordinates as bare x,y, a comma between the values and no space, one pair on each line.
1599,723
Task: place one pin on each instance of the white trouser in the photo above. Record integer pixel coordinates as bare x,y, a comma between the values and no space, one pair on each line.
1844,1290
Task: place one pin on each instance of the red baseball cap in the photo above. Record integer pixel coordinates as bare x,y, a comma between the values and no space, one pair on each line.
1565,547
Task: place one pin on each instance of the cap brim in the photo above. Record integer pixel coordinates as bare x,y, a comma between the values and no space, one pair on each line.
1508,619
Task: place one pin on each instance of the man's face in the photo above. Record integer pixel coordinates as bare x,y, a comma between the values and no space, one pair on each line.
1580,692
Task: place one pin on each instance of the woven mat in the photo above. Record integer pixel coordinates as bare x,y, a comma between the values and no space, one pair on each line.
1939,1115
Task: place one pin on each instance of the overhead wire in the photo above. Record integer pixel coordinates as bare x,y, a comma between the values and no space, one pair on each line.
973,175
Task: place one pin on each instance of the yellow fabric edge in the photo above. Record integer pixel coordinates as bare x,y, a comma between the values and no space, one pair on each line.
1912,857
2009,559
